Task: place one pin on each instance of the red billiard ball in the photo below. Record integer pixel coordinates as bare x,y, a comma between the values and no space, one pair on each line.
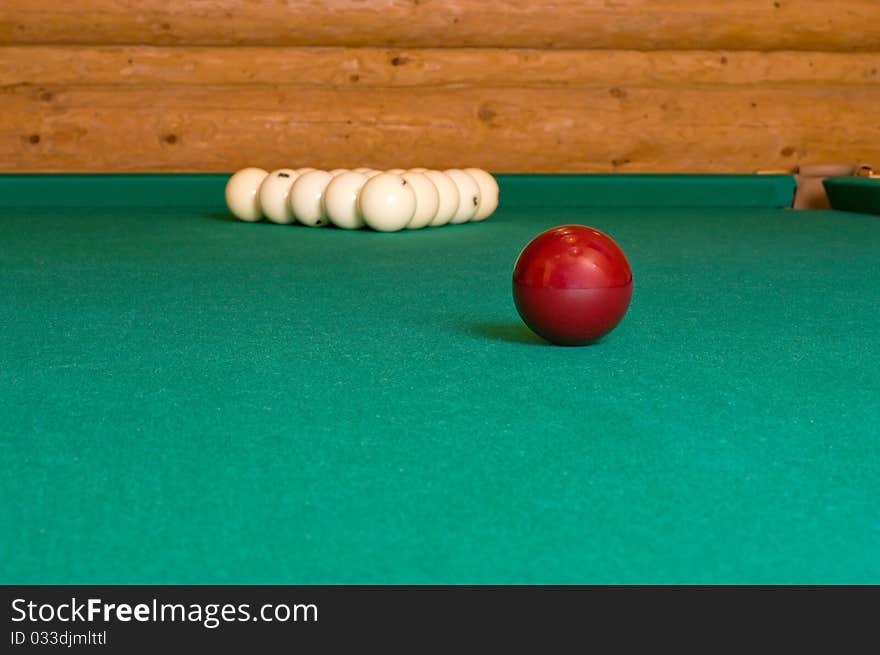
572,285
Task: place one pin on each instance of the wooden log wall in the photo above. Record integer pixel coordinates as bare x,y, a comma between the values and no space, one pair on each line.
511,86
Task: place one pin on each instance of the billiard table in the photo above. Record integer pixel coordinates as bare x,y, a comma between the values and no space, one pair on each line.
185,398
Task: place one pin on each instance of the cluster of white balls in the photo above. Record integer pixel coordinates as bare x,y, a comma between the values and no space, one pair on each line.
386,201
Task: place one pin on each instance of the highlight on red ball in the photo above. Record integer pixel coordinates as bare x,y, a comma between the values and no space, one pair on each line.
572,285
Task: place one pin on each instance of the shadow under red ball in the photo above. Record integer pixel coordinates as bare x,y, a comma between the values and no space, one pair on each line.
572,285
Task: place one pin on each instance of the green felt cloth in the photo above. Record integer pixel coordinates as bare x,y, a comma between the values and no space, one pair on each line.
189,399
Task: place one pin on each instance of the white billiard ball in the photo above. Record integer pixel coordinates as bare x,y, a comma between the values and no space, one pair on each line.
341,200
306,197
427,200
396,171
448,197
274,192
303,171
468,195
242,193
488,193
387,202
338,171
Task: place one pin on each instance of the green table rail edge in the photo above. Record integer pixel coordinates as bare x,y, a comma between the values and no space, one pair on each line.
854,194
36,190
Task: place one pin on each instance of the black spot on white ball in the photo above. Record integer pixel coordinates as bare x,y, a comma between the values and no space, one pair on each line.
476,201
283,175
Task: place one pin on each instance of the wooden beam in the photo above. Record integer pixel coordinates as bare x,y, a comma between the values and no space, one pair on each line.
505,129
842,25
379,67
